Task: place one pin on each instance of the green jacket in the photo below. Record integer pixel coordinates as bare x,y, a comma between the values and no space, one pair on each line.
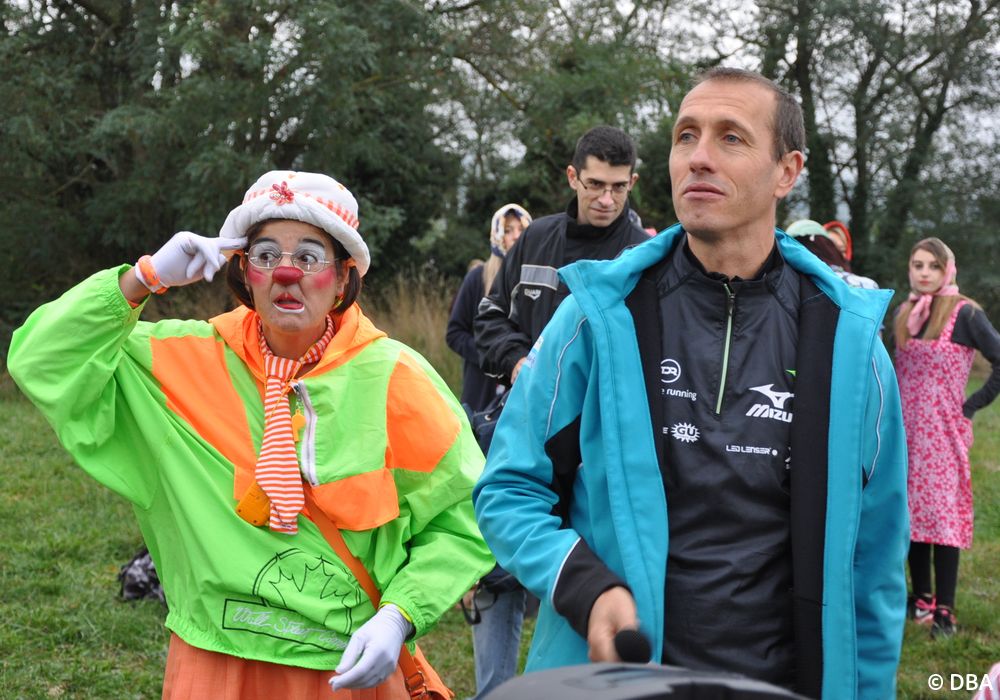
170,416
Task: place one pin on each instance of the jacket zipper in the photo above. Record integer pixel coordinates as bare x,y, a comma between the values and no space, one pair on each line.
730,304
307,458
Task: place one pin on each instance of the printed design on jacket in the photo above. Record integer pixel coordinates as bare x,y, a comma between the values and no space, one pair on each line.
775,409
293,581
529,360
534,277
685,432
752,450
540,276
670,372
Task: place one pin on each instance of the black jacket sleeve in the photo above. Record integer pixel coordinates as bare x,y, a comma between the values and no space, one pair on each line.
501,343
974,330
459,335
583,578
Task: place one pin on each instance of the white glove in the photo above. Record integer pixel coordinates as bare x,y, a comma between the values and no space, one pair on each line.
378,643
187,258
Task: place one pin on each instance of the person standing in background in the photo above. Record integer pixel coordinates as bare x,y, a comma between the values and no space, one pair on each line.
498,601
596,224
937,331
827,246
842,238
506,226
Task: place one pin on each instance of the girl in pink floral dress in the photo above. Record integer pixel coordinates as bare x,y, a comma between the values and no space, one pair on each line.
937,331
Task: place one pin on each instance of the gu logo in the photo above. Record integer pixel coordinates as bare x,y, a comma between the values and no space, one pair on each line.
670,371
685,432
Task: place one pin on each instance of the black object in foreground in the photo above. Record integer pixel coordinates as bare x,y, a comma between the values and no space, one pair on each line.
633,647
636,682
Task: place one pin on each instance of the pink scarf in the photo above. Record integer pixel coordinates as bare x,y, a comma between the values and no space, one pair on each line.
921,309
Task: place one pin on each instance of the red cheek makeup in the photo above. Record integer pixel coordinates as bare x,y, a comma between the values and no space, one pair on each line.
255,276
324,278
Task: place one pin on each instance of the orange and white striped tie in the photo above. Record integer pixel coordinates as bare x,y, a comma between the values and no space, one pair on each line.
277,469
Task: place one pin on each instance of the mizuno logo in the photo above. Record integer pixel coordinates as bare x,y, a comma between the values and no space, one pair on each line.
776,410
762,410
778,398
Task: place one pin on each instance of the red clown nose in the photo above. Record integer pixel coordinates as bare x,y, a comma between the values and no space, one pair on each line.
287,275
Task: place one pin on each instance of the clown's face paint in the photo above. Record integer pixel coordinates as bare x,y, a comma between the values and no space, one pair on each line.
293,306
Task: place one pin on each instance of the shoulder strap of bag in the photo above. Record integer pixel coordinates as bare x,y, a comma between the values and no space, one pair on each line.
416,685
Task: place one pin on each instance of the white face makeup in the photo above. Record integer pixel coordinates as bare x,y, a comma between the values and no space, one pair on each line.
293,304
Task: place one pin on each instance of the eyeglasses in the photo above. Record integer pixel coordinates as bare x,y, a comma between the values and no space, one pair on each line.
599,188
268,256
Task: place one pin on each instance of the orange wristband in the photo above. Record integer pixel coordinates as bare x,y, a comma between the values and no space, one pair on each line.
148,276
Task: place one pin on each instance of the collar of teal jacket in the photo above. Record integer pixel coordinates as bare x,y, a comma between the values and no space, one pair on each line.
607,282
600,288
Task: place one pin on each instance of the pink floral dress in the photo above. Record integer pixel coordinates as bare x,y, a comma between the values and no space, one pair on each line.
932,376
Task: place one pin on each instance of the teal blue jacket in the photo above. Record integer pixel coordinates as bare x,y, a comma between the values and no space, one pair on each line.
850,526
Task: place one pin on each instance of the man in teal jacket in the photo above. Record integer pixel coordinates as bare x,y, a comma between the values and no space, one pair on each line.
706,443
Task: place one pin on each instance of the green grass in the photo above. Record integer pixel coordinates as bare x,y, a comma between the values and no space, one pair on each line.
65,634
977,646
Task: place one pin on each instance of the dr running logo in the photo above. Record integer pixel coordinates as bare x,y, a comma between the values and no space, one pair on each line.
670,370
774,411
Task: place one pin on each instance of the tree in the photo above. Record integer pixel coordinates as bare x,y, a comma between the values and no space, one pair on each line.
125,121
534,76
879,83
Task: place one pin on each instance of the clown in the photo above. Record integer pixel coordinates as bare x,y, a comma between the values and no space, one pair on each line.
302,481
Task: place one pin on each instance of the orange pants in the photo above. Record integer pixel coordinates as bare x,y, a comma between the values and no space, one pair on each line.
196,674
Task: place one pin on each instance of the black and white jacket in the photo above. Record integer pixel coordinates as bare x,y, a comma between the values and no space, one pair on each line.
527,289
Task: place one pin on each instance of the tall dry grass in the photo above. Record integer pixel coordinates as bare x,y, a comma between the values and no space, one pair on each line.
412,309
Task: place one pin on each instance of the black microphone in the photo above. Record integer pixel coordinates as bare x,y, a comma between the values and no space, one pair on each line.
633,647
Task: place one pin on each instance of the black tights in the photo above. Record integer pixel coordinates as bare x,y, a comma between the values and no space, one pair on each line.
945,571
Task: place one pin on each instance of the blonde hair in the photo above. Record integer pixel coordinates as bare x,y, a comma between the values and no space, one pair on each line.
492,266
941,306
490,269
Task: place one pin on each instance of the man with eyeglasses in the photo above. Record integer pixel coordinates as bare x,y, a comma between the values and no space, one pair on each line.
595,226
706,442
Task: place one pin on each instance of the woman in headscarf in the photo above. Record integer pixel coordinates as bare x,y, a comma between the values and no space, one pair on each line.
498,602
301,480
478,390
937,331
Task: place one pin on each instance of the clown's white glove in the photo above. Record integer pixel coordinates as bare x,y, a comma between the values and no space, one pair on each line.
186,258
377,643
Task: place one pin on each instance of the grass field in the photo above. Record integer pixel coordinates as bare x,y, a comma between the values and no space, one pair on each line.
65,634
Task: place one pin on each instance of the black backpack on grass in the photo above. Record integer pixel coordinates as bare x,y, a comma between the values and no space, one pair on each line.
139,580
